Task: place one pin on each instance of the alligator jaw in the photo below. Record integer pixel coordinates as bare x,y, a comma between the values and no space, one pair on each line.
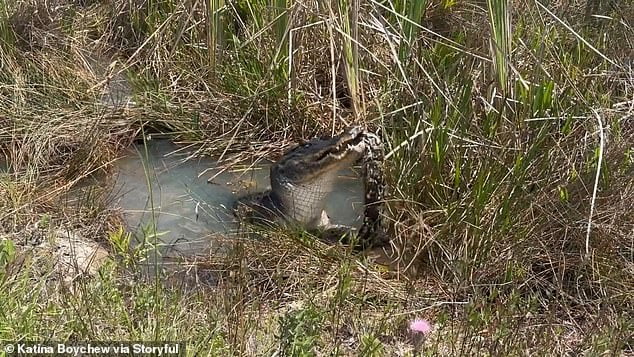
321,156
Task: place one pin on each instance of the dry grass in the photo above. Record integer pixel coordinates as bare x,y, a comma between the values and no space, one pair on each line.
491,193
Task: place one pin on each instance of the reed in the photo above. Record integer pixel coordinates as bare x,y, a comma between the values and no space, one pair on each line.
348,17
500,41
215,30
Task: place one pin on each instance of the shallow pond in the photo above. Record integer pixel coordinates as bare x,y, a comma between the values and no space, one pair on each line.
186,202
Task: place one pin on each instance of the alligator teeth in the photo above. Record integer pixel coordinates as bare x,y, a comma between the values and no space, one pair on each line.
339,156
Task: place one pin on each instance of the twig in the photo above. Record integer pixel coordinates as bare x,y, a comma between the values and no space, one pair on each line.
596,181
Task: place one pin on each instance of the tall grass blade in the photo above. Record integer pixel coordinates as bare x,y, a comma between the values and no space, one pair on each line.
6,33
415,10
215,30
282,32
349,16
500,41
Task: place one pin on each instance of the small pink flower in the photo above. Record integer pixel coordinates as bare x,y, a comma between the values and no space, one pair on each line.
420,326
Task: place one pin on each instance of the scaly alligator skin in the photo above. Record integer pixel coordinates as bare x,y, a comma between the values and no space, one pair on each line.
303,177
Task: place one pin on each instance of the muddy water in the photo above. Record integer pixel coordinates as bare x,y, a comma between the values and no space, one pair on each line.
187,203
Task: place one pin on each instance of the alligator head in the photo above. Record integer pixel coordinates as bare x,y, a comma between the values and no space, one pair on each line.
312,160
302,179
304,176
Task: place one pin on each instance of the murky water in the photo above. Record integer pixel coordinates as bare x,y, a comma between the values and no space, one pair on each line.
186,204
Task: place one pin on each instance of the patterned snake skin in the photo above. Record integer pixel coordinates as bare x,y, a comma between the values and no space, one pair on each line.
372,231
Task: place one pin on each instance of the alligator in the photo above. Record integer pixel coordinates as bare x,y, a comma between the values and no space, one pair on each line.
305,175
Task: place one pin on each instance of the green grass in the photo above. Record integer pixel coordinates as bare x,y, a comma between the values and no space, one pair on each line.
508,128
